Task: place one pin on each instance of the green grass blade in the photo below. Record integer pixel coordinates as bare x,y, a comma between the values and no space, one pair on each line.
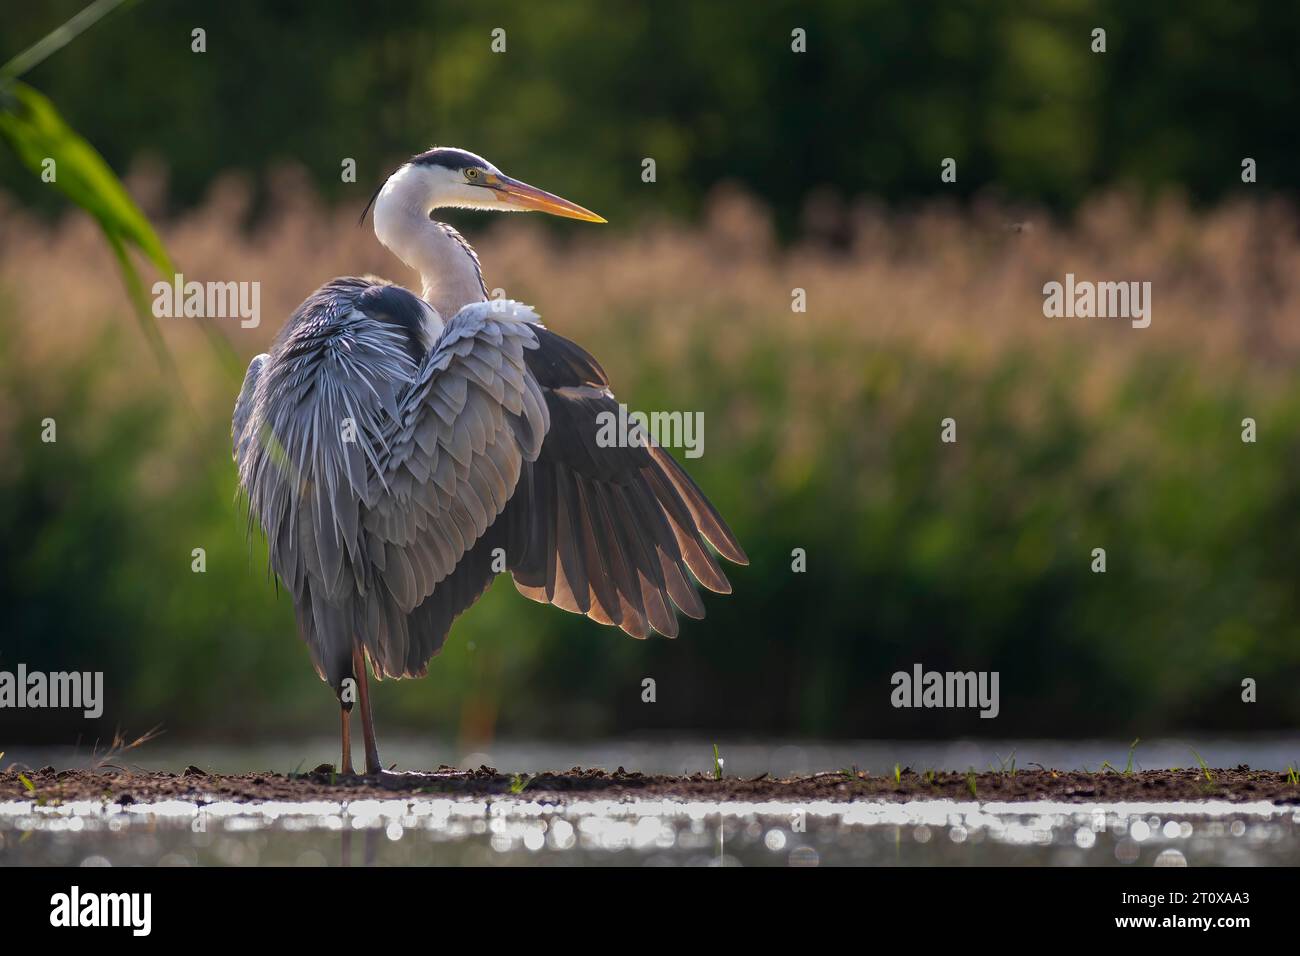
35,131
1205,769
1128,767
58,38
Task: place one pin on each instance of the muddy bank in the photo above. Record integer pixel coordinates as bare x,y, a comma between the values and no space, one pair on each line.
124,786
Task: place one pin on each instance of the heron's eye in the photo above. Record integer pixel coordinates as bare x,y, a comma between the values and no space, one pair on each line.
471,174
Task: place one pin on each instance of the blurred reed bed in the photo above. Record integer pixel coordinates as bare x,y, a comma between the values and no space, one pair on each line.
821,433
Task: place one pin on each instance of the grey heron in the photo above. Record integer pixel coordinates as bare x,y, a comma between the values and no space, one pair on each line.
399,451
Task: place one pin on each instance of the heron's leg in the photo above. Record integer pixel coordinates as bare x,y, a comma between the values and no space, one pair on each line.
363,698
347,740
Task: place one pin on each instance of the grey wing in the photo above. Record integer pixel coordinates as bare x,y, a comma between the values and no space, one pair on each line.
507,407
309,428
486,460
452,460
239,431
614,533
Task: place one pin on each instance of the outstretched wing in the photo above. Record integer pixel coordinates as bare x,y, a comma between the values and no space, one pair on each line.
612,531
496,466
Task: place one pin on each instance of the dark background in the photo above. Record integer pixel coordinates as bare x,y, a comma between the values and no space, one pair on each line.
710,90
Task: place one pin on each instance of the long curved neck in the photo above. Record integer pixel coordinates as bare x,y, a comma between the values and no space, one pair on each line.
448,268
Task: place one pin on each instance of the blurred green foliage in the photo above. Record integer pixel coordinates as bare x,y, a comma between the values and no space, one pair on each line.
710,90
911,558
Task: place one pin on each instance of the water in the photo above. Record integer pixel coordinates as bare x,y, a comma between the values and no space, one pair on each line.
478,831
648,833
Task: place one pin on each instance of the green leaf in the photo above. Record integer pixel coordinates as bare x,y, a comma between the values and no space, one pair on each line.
35,131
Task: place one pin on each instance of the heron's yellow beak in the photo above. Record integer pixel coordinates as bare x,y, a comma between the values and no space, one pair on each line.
523,196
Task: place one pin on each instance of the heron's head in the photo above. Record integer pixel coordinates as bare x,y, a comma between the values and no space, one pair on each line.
446,177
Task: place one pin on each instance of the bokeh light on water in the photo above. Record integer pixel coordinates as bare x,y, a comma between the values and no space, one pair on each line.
648,833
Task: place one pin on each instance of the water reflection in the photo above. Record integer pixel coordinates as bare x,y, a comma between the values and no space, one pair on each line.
647,832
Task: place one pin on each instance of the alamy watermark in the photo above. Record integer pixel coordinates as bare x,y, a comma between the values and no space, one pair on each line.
626,429
208,300
60,689
922,688
1103,300
133,911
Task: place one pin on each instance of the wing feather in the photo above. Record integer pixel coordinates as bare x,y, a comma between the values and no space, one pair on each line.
627,522
307,428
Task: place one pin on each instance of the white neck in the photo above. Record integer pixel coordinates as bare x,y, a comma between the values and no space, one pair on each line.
449,271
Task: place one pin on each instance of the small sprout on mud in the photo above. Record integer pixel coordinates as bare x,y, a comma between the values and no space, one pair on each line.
294,773
970,781
898,774
519,783
1205,769
31,788
928,777
1128,767
1291,776
1008,765
1107,765
717,764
